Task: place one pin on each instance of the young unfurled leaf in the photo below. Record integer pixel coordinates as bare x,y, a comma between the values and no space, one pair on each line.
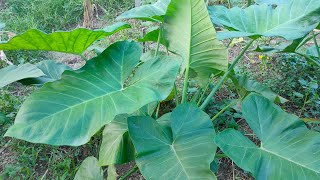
290,20
89,170
14,73
288,150
74,42
150,12
191,35
183,148
85,100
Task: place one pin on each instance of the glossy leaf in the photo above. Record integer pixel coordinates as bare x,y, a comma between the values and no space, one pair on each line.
192,35
184,154
150,12
116,146
14,73
288,150
85,100
250,85
89,170
290,21
75,42
52,71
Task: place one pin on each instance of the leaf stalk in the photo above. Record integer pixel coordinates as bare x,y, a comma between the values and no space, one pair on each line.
224,77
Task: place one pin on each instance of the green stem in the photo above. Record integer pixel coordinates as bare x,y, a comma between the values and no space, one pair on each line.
185,85
225,108
159,39
224,77
129,173
316,44
309,58
157,112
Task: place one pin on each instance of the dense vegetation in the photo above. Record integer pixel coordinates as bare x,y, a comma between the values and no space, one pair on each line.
172,89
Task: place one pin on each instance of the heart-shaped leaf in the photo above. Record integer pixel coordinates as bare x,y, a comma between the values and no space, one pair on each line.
14,73
153,37
85,100
74,42
89,170
290,21
288,150
182,151
150,12
192,35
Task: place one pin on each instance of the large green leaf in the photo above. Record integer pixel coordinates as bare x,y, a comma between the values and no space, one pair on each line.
52,71
288,150
75,42
14,73
186,153
71,110
116,146
290,21
192,35
89,170
250,85
150,12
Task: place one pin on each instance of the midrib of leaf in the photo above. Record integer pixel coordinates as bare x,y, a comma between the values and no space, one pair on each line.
275,154
178,158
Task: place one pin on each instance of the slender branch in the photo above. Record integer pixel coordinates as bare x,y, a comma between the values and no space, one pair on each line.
129,173
225,108
224,77
316,44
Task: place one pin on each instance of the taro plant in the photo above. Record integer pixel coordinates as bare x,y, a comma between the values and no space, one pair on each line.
120,89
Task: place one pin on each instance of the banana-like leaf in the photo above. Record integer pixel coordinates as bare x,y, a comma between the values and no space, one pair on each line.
89,170
14,73
249,85
71,110
150,12
116,146
52,70
288,150
290,21
74,42
186,153
192,35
